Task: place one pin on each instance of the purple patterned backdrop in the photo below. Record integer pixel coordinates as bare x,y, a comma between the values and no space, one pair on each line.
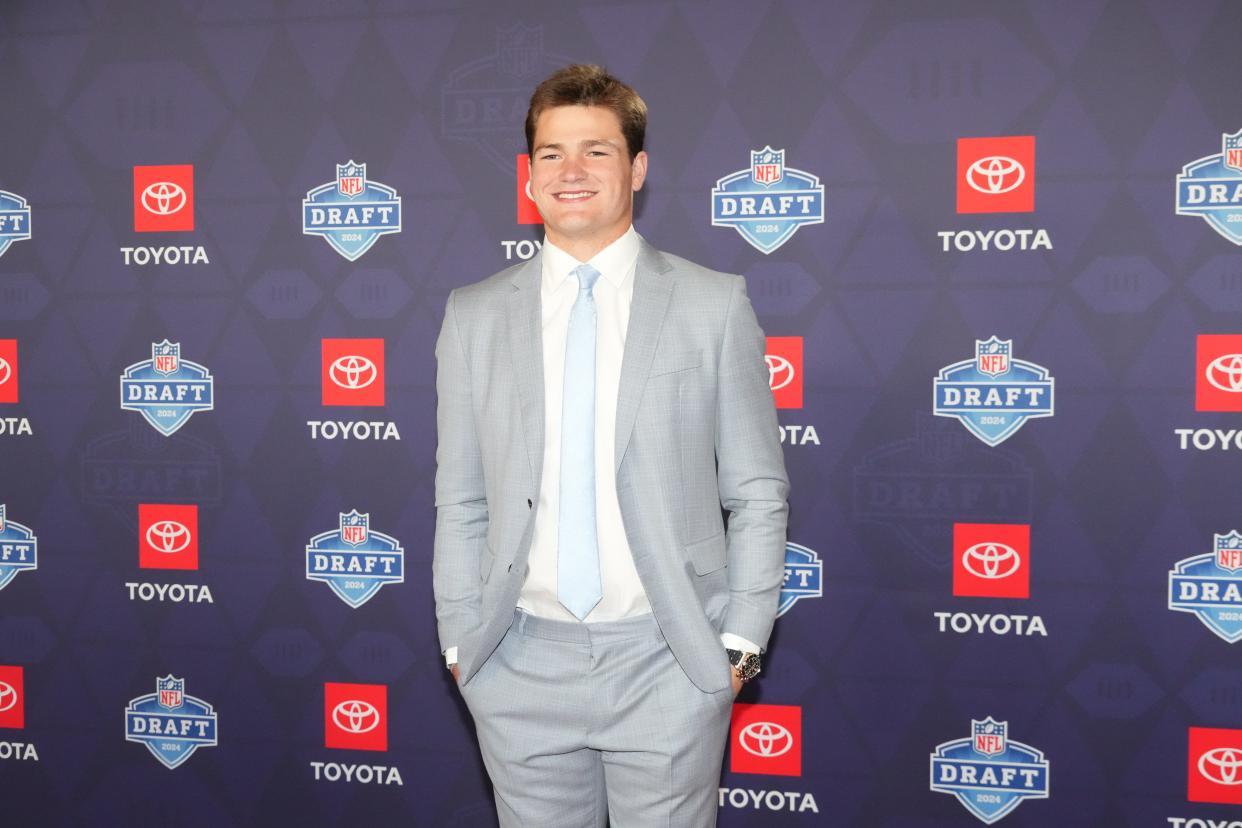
1103,285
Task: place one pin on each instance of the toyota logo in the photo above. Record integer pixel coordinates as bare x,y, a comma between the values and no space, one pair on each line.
8,696
6,370
353,372
780,371
992,561
995,174
356,716
1222,765
1225,373
765,739
168,536
163,198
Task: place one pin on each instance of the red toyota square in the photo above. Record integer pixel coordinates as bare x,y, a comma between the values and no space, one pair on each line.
784,358
353,372
992,560
167,536
1218,372
8,370
996,175
1214,769
527,212
766,738
355,716
12,698
163,198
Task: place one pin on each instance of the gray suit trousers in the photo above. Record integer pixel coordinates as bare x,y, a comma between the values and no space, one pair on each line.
586,725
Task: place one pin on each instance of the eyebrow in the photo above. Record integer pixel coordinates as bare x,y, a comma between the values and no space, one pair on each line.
588,143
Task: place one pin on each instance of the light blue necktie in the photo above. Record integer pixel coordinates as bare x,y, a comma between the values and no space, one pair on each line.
577,560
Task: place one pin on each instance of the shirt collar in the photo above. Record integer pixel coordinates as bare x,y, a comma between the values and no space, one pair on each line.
614,262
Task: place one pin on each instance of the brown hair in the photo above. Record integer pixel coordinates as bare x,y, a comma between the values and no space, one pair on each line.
590,85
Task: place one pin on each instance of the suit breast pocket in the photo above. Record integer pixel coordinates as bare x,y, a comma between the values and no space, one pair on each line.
675,362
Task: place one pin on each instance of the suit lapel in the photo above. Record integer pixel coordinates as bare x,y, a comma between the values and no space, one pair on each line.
526,349
652,290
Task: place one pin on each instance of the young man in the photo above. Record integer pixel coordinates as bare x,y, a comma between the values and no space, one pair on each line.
597,406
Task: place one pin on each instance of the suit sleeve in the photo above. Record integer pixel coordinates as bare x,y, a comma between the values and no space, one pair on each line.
461,499
754,487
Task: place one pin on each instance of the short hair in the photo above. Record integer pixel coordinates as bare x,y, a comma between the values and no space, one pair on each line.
590,85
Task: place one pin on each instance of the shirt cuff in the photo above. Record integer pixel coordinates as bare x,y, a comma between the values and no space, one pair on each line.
450,656
736,642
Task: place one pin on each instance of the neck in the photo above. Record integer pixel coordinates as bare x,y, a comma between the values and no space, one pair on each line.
584,248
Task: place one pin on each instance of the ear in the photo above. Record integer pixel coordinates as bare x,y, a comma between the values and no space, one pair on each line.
638,171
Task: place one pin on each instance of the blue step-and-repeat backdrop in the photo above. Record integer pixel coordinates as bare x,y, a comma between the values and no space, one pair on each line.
995,247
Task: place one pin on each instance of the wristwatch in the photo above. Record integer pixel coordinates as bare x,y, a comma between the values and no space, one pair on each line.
746,665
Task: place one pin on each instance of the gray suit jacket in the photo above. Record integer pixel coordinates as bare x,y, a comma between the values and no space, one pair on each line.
696,428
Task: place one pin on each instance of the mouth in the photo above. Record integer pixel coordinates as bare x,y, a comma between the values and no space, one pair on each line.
573,195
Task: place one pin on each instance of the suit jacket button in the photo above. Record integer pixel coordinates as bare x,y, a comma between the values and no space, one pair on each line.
530,504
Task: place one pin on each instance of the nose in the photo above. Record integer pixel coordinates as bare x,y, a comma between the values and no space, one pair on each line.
572,169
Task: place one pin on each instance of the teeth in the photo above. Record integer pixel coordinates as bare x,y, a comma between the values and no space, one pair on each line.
573,195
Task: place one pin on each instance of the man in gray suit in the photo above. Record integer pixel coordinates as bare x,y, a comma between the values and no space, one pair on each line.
597,406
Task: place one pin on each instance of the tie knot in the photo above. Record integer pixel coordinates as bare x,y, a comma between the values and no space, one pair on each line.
587,277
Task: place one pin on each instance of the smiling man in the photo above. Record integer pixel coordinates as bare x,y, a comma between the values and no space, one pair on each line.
598,405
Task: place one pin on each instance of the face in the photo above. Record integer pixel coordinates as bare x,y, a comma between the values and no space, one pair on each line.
582,178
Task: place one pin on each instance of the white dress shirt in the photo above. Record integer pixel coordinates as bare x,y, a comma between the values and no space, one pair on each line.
623,593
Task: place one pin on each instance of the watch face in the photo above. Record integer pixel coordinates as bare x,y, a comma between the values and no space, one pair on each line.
747,665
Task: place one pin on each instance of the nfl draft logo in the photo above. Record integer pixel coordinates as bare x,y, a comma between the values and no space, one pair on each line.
166,389
19,548
14,219
989,773
352,211
1212,188
1210,586
355,560
171,724
993,394
767,202
804,574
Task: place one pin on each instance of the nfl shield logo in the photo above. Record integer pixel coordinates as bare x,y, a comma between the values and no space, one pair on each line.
354,527
519,50
992,356
1229,551
351,179
767,166
1231,150
171,692
990,736
166,357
